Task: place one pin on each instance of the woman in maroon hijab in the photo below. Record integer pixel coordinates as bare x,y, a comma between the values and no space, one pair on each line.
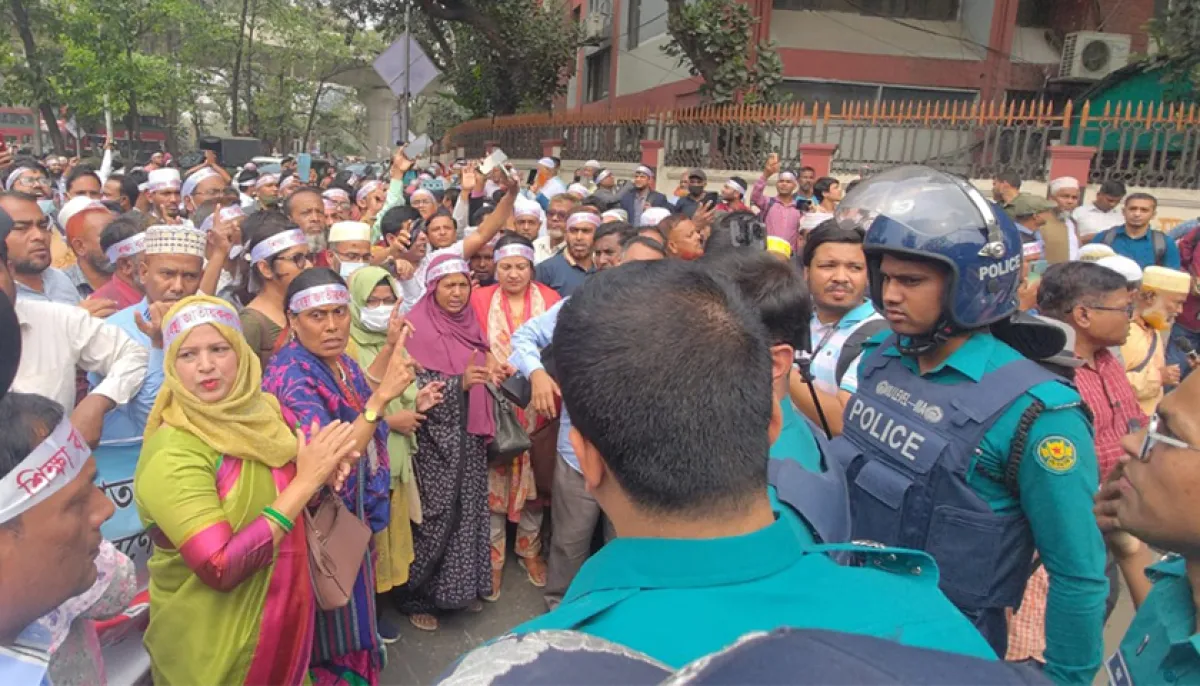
452,567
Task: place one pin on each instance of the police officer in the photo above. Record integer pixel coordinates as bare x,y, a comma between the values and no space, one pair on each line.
956,443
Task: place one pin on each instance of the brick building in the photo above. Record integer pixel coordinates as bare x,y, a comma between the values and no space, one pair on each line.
843,50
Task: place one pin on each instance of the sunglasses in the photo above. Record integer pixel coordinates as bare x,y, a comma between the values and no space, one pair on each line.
1153,438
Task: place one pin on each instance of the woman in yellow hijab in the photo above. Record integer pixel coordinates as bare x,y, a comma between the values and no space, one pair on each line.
220,485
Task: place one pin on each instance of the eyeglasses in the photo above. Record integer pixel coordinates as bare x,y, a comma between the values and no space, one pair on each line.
212,193
353,256
556,214
1128,309
379,302
1153,438
300,259
31,181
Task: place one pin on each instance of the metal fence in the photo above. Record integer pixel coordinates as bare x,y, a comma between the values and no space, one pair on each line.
1143,145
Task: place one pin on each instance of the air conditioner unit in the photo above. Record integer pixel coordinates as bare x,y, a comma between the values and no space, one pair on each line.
1093,55
596,25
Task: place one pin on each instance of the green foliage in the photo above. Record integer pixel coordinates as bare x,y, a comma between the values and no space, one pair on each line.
714,39
1177,36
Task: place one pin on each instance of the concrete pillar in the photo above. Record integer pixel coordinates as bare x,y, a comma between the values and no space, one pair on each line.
552,147
381,105
819,156
1071,160
654,155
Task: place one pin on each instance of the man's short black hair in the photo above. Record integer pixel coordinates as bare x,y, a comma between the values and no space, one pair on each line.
599,203
829,231
302,190
1142,196
638,239
118,230
394,219
129,186
673,390
622,229
1113,188
286,159
484,210
1068,284
1010,177
78,173
822,186
809,169
27,420
773,286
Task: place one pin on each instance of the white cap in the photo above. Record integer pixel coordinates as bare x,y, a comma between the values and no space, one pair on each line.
578,189
1063,182
77,206
654,215
614,215
161,179
1094,251
592,164
548,162
349,231
1122,265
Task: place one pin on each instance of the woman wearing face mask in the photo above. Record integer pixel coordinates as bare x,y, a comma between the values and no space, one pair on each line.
373,326
315,381
452,569
221,485
502,309
278,252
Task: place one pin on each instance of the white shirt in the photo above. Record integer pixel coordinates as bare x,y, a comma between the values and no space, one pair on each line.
56,338
542,250
413,289
1092,221
1072,238
812,220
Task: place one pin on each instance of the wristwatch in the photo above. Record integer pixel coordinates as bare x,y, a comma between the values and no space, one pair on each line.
370,415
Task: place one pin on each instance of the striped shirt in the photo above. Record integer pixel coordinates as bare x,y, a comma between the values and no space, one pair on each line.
827,340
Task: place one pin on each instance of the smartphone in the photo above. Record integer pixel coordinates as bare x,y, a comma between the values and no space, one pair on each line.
531,177
303,166
492,161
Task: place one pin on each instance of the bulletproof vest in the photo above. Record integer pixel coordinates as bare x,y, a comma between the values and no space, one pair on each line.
820,499
907,445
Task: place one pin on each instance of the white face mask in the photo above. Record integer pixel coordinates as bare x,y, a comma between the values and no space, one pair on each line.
348,268
376,318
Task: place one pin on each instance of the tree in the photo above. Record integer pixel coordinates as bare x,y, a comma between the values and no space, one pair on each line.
26,79
1177,36
714,39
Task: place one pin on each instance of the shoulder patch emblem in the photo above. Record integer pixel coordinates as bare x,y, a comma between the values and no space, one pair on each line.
1057,454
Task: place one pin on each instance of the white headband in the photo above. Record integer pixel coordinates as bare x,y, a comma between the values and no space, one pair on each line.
227,214
319,296
643,169
548,162
196,315
54,463
736,186
277,244
446,268
189,186
127,247
367,188
514,250
614,216
423,191
604,174
787,176
528,211
16,174
583,218
337,194
266,179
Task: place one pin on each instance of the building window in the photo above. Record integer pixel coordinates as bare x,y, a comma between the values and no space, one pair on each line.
596,70
932,10
645,19
1034,13
840,94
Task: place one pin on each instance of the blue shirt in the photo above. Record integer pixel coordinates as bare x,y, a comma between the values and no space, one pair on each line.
679,599
1161,645
127,422
1141,250
562,274
527,343
1056,500
57,288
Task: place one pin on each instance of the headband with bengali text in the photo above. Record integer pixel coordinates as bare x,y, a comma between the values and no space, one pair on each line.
195,315
643,169
736,186
366,190
787,176
226,214
514,250
52,465
277,244
319,296
445,269
604,174
126,248
584,218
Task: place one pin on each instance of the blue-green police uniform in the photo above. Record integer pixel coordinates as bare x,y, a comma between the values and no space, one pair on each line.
1055,482
679,599
1162,645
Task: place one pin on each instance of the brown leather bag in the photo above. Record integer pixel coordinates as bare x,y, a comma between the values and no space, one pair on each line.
543,455
337,546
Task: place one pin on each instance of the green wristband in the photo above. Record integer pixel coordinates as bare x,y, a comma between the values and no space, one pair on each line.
279,518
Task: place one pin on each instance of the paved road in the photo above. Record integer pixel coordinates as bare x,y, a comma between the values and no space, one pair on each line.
420,656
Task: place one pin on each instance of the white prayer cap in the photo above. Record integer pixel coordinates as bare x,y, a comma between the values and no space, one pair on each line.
175,240
349,231
592,164
1063,182
614,215
548,162
77,206
654,215
189,185
578,189
161,180
1095,251
1167,280
527,208
1124,266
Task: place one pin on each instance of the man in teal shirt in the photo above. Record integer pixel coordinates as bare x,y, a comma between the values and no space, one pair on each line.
700,558
1150,497
957,444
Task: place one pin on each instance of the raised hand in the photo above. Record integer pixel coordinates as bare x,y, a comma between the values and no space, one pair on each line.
399,329
99,307
396,378
153,328
772,167
429,396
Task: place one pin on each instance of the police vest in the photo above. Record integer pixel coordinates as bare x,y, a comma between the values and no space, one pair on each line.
820,499
907,445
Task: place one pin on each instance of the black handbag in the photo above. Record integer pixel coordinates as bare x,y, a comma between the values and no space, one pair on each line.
518,389
511,439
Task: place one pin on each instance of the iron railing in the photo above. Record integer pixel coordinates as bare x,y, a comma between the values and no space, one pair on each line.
1143,145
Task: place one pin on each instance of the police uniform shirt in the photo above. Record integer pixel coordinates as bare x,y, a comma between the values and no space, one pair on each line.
796,440
1161,645
679,599
1057,478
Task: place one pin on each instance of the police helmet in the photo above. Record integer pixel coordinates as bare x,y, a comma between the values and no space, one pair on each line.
927,214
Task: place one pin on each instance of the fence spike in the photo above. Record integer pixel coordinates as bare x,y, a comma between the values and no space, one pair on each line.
1066,122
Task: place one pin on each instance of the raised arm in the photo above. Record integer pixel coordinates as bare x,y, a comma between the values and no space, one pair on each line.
494,222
